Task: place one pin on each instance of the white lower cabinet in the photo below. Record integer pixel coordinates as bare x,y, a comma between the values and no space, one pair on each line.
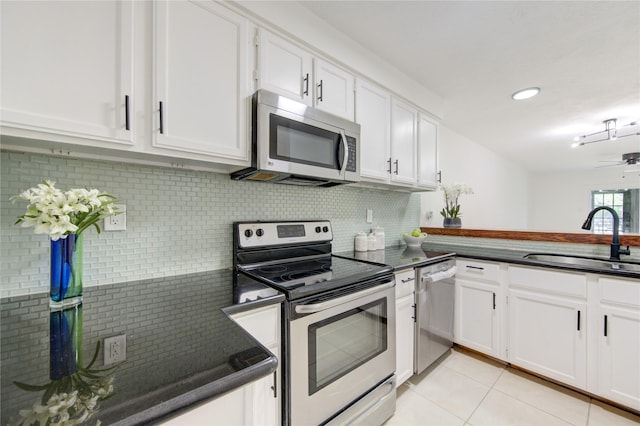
619,341
240,407
581,329
405,322
264,324
548,323
479,307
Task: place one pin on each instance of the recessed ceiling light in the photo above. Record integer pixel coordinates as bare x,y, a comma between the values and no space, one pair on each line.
525,93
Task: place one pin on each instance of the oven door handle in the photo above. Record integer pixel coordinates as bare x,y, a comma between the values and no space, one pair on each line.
322,306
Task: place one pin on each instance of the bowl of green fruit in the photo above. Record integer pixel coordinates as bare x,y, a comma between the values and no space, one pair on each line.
414,238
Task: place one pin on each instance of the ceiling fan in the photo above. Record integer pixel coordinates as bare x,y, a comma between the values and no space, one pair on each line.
611,132
629,159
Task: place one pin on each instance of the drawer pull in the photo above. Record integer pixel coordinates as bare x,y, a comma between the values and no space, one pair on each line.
494,301
407,280
479,268
605,326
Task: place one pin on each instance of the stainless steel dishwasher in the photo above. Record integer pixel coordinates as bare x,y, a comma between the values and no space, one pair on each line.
435,296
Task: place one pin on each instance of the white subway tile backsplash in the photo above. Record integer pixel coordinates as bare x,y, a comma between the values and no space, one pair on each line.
178,221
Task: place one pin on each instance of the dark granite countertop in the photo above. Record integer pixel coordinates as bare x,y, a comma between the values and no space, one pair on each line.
400,257
403,257
517,257
181,347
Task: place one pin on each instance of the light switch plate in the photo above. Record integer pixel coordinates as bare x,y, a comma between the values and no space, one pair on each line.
369,216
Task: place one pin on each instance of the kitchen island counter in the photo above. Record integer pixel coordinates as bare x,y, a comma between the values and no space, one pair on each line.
181,348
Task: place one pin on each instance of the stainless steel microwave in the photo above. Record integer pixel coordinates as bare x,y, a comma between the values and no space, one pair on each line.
295,144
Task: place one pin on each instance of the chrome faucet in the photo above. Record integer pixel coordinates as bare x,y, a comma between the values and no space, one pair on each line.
616,251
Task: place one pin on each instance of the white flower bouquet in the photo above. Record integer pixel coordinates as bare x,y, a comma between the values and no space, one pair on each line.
451,195
60,213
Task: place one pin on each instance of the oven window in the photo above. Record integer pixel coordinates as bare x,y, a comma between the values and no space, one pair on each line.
342,343
298,142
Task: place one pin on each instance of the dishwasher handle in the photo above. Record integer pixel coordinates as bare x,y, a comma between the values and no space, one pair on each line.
440,275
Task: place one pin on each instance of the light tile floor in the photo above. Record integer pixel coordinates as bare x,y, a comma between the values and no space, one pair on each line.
466,389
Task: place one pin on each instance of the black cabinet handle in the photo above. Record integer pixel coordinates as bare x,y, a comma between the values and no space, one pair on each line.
389,169
605,326
275,385
414,313
479,268
320,91
306,85
396,163
161,119
578,320
440,176
126,112
494,301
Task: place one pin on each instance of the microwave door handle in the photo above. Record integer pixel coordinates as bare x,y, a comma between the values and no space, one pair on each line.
345,157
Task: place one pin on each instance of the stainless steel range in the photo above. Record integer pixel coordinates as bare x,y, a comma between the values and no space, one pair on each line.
339,322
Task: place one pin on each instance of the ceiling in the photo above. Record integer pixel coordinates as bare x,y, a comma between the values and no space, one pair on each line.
584,55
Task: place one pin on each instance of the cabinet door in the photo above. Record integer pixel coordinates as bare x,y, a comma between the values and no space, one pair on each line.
619,365
477,316
404,338
403,143
201,79
67,68
284,68
547,335
427,153
264,325
334,89
373,113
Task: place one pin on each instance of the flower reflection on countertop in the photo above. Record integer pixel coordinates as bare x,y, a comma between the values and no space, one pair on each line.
74,392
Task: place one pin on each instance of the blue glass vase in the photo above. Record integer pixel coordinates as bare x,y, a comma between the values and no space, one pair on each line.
66,271
65,340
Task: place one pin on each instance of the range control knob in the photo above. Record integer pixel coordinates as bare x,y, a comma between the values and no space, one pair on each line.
259,232
325,229
318,229
248,233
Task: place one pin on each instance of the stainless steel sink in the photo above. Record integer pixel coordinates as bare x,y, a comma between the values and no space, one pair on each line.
590,262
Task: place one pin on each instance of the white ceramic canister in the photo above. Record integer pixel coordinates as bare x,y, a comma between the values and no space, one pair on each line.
372,242
361,243
379,233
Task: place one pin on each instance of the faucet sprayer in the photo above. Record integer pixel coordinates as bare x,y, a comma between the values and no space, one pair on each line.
616,251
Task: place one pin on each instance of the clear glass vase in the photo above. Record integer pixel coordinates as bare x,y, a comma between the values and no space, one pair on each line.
66,271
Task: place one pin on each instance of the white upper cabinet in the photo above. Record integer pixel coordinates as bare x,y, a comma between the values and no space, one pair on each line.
67,69
334,89
427,152
291,71
284,68
200,85
404,139
373,113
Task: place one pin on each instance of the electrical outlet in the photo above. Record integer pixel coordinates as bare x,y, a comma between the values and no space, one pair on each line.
115,349
117,222
369,216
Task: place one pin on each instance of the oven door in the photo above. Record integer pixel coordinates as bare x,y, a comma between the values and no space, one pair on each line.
340,350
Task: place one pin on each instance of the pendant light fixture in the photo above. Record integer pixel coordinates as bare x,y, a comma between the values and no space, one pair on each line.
611,132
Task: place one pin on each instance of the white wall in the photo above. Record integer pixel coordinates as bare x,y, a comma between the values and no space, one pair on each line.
561,201
500,199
